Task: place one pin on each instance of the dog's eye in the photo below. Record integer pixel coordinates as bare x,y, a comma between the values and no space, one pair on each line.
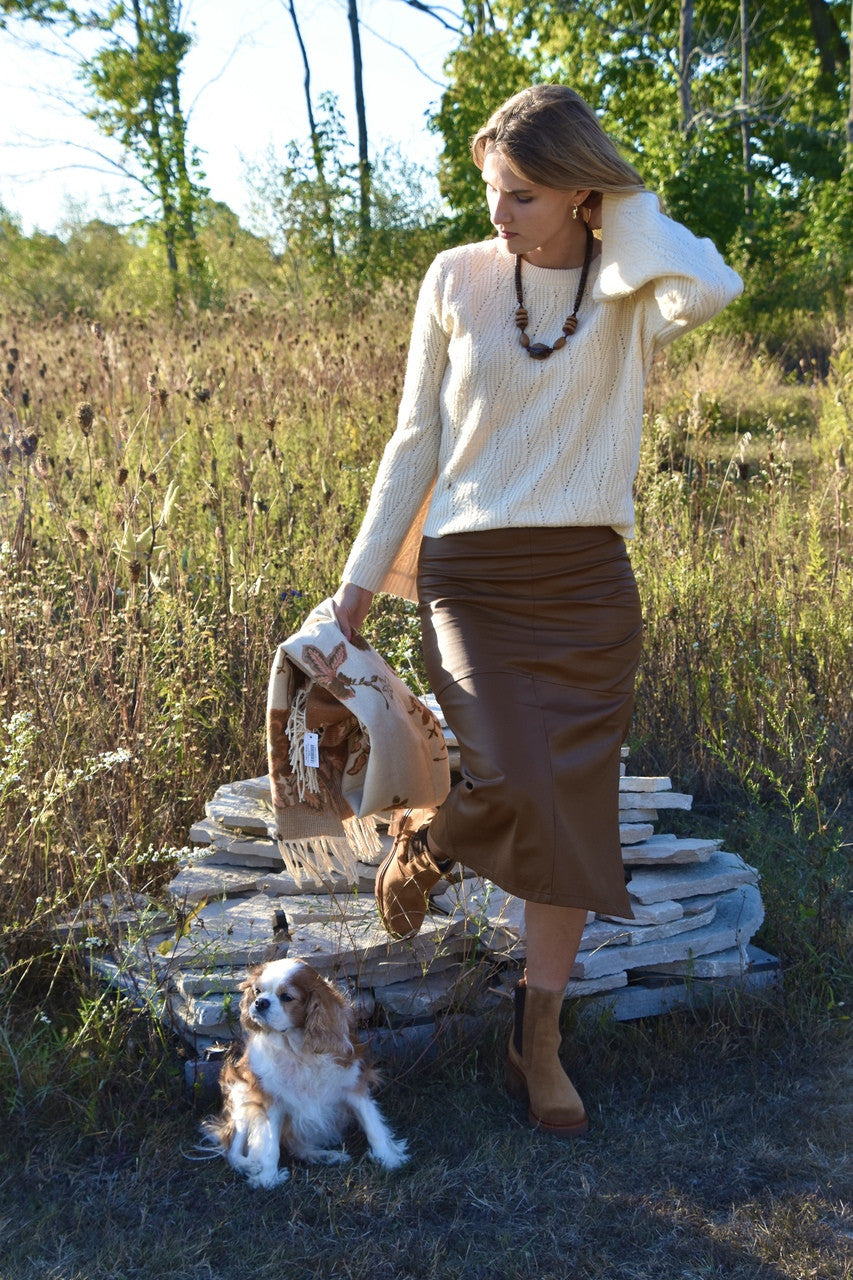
284,997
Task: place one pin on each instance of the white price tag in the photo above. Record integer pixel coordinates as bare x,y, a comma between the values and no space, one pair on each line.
311,750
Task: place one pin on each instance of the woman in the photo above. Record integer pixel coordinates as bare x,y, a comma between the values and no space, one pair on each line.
508,481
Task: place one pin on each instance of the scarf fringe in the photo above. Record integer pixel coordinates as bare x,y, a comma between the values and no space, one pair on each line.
363,837
331,858
304,775
327,859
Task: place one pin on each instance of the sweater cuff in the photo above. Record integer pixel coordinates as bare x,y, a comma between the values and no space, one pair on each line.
639,243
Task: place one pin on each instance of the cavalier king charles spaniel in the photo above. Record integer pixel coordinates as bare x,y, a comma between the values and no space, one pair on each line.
299,1082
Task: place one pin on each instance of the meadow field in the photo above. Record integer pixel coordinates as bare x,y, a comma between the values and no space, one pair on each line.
174,496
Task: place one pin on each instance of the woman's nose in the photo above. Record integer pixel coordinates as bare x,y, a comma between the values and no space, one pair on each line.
500,211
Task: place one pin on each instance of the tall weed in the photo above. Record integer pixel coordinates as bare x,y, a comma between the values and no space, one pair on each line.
174,497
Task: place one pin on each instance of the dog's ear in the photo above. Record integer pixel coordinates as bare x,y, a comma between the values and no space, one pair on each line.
247,986
328,1021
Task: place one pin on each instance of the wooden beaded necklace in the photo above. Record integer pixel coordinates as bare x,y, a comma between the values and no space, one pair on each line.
540,350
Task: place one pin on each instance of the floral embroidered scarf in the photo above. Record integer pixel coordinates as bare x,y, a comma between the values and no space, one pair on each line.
346,740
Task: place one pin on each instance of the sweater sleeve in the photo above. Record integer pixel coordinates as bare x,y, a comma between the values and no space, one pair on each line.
684,277
409,464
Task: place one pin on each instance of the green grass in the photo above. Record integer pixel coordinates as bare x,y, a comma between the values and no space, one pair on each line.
717,1149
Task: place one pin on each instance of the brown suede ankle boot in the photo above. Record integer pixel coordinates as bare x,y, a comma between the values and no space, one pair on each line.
533,1064
405,878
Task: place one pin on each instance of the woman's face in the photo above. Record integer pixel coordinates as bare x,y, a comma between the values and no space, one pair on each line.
533,220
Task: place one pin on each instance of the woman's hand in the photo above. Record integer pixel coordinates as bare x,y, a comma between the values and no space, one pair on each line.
351,605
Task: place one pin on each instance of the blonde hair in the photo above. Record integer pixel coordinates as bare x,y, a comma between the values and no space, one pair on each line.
550,136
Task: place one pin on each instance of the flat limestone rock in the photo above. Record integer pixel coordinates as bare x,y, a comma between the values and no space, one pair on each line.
431,994
587,987
594,986
605,934
739,913
654,913
218,1017
197,883
638,815
203,832
228,849
238,813
229,931
494,917
732,963
363,953
254,788
663,849
721,872
634,832
672,800
629,783
281,884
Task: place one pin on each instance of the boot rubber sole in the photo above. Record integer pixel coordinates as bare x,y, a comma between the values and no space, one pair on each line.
517,1087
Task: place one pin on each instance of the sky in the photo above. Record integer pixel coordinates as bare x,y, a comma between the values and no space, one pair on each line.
243,91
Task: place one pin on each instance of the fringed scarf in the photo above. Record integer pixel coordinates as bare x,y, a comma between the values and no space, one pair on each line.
346,740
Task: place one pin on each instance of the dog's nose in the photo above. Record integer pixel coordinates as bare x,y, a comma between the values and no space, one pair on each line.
262,1003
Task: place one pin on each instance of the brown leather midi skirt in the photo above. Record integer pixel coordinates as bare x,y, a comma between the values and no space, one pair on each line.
531,642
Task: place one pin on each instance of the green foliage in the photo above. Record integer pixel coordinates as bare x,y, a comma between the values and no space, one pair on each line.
488,66
786,220
314,221
134,78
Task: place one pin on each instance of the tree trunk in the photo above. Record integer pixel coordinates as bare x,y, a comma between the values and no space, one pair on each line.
829,41
685,54
316,141
361,116
746,141
850,101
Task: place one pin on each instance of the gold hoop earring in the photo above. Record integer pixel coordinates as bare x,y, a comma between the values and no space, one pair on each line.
574,213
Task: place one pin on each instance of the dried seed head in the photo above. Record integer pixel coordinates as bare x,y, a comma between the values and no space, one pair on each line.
85,415
122,475
162,396
135,570
152,384
27,444
78,533
42,466
97,331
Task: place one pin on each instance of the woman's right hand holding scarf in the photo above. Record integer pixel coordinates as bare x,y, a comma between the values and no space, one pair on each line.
351,605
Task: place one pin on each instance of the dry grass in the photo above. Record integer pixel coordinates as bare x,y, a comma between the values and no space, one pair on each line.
135,635
717,1150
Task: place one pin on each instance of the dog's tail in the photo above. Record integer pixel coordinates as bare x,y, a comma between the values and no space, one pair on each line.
216,1137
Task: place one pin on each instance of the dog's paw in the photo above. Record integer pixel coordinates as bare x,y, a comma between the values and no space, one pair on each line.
331,1157
267,1179
392,1154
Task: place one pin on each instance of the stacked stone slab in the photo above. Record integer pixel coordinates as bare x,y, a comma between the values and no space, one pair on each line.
696,908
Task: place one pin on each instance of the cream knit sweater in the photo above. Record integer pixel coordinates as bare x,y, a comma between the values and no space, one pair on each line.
488,438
